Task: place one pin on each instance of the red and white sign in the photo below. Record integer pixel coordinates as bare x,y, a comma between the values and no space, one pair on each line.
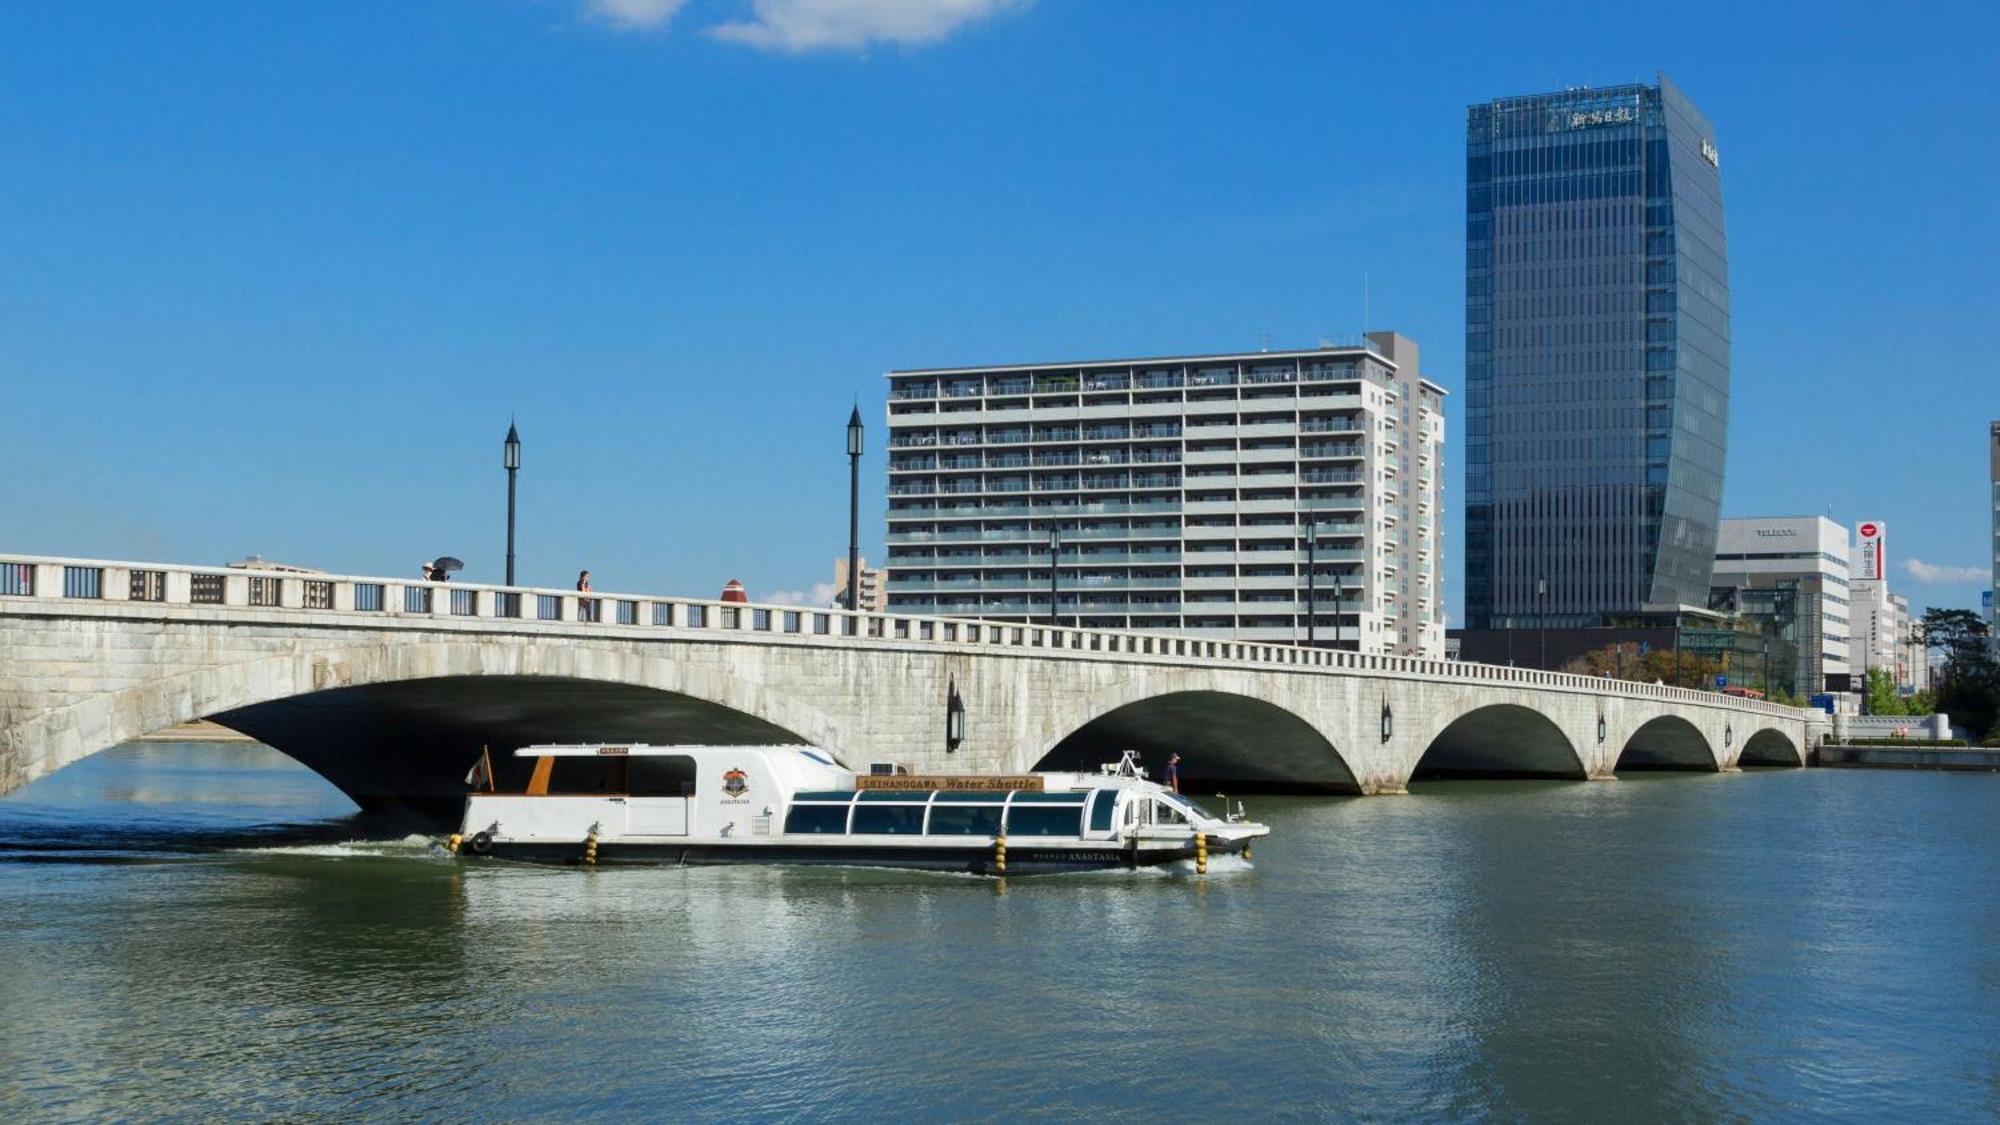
1873,568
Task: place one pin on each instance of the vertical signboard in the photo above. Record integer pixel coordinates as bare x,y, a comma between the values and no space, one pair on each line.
1872,568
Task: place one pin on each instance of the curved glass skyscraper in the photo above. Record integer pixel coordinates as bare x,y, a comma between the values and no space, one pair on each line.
1596,356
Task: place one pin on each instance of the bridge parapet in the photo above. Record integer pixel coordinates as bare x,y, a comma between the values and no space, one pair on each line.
41,585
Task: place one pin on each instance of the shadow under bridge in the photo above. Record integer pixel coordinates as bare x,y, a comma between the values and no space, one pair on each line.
405,747
1230,741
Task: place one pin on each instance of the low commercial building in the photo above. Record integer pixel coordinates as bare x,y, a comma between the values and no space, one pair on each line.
1809,555
1202,494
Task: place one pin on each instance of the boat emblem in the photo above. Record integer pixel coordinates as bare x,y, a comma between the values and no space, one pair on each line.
735,783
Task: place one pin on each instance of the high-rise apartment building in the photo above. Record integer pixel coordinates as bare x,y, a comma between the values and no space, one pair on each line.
1596,356
1809,555
1184,493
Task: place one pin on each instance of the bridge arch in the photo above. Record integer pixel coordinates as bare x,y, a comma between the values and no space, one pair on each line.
1223,737
1770,747
1667,742
1500,740
396,724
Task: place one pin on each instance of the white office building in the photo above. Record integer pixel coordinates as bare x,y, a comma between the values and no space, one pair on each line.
1187,493
1872,640
1912,664
1811,552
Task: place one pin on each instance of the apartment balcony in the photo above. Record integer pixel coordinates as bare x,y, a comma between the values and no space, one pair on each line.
1210,457
1267,429
1255,506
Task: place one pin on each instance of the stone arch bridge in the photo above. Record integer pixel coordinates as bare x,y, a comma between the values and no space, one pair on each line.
389,688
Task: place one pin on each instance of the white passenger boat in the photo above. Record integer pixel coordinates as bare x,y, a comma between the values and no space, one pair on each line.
794,804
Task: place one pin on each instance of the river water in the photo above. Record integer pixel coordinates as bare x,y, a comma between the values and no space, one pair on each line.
198,931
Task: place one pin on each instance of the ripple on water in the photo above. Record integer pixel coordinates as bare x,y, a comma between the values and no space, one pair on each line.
1794,944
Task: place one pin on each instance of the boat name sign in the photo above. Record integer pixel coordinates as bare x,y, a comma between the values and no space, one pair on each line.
960,784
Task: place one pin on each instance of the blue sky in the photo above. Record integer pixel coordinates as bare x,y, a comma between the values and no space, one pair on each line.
277,274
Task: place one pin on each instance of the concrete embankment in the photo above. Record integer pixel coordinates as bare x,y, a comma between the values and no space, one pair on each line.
1968,758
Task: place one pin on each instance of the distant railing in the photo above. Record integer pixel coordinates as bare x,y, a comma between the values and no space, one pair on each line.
25,581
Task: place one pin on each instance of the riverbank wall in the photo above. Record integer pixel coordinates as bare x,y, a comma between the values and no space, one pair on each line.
1973,759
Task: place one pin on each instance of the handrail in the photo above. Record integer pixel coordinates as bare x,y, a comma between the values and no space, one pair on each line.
37,578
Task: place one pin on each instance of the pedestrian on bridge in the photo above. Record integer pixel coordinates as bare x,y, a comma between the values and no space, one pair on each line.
586,608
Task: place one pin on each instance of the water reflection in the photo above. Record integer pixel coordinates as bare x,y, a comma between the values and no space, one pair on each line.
1805,943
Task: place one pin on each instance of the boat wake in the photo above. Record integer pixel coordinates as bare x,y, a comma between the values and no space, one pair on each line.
414,846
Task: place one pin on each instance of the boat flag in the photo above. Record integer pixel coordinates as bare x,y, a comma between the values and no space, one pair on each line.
481,774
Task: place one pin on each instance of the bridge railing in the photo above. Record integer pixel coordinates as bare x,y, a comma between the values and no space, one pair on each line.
277,594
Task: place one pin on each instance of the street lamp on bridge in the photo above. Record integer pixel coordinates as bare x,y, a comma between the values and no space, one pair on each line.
854,510
1542,619
1312,582
510,459
1055,548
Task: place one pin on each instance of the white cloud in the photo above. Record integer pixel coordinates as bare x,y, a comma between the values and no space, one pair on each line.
635,15
821,596
797,26
1940,575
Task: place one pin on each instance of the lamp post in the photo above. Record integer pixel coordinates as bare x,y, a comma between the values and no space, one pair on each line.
510,459
1312,583
854,510
1542,619
1055,546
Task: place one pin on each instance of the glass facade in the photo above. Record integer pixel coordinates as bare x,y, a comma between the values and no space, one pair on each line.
1597,356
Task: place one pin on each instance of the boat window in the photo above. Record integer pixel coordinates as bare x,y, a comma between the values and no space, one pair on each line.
1044,820
588,775
903,795
1102,804
962,797
888,819
816,819
963,819
1049,798
1165,813
662,775
841,795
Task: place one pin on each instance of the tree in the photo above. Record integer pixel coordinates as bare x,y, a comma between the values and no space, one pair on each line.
1879,692
1627,662
1968,685
1958,633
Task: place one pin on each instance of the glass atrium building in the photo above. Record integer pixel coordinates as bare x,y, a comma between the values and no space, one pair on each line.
1597,357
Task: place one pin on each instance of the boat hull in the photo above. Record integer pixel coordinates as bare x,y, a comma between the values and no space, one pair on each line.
1022,858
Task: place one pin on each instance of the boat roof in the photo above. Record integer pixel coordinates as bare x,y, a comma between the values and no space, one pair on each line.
643,749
